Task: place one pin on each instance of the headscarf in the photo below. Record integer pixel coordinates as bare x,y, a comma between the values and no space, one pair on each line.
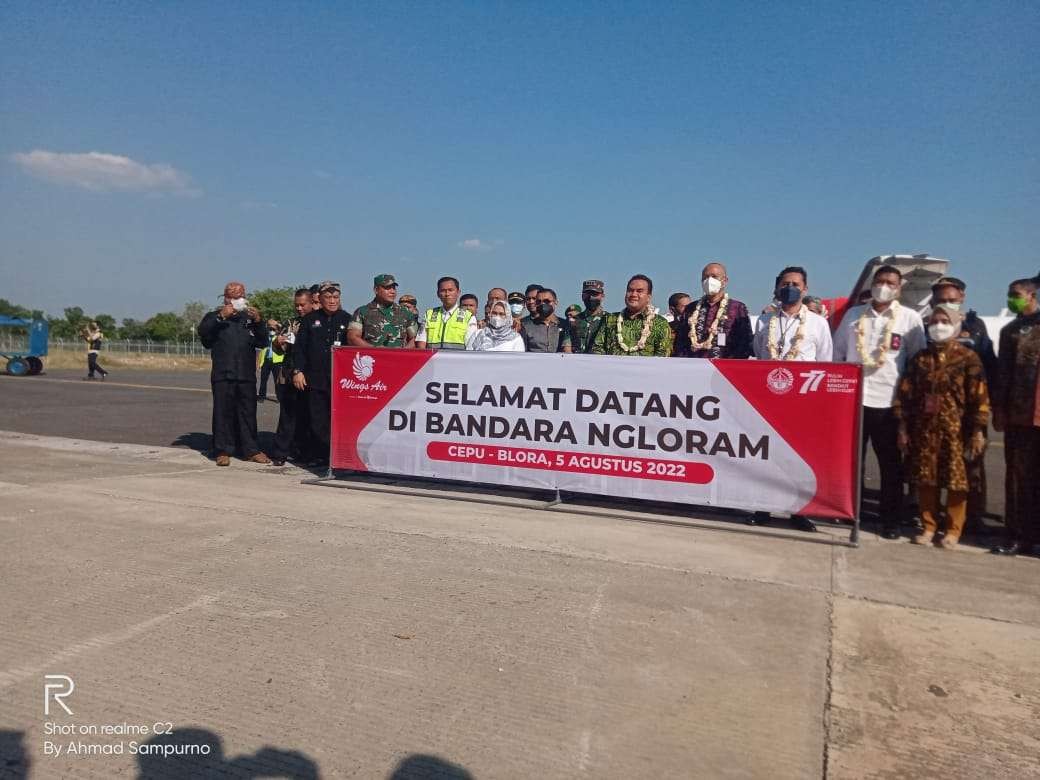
503,333
956,315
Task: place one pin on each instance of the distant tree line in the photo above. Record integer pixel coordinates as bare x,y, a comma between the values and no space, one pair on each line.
273,303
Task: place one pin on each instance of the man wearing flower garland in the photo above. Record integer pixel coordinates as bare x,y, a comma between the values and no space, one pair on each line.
882,336
636,330
792,332
715,325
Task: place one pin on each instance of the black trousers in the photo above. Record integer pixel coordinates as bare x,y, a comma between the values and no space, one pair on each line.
319,407
293,435
1022,501
234,417
267,369
881,430
92,365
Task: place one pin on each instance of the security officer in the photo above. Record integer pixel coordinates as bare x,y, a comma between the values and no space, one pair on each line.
950,290
448,326
233,334
312,363
382,322
293,434
583,336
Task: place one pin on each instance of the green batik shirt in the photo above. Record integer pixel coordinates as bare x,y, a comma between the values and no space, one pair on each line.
658,342
582,335
384,326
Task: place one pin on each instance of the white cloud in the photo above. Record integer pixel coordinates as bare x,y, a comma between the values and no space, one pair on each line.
479,245
102,172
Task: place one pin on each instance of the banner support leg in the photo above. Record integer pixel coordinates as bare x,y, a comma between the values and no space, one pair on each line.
557,500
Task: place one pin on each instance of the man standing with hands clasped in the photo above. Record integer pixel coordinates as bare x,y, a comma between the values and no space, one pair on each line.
882,336
233,333
319,332
792,332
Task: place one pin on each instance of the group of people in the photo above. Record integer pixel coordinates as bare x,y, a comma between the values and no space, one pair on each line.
931,387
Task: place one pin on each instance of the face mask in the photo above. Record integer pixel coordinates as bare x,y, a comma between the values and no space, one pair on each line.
882,293
238,304
497,320
1017,305
942,331
789,295
711,286
545,309
516,309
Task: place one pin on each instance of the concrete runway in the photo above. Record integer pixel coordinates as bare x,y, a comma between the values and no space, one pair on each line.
299,630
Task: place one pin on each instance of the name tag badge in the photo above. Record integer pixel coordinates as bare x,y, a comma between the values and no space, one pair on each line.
316,324
897,341
721,339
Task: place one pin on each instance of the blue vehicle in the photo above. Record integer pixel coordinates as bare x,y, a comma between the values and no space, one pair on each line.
30,334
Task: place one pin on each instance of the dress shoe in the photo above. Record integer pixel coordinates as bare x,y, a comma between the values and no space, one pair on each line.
803,523
260,458
757,518
950,542
890,532
223,459
923,538
1012,548
277,461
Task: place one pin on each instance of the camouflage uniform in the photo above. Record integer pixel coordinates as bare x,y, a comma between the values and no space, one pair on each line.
582,335
385,326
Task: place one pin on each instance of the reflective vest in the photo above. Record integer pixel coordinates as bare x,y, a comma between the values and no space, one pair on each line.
450,334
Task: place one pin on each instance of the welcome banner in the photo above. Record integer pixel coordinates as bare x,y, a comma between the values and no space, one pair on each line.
746,434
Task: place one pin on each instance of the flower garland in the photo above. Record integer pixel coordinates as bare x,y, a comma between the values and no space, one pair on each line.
775,340
643,336
713,330
886,337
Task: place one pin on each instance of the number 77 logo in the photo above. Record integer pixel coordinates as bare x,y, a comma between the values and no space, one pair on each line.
812,380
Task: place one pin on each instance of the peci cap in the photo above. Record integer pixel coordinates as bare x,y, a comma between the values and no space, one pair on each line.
385,280
327,285
950,281
592,285
516,297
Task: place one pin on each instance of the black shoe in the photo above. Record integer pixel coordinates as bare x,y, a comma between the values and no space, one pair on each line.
1013,548
803,523
890,532
758,518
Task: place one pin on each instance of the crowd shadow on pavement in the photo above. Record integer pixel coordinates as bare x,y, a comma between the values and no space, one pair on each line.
422,766
266,762
200,442
14,763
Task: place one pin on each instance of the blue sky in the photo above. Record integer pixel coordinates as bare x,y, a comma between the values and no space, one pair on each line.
505,143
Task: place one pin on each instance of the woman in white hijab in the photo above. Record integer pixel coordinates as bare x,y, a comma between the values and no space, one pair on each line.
498,335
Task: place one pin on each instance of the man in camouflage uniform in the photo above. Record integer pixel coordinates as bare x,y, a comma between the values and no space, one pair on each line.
382,322
582,336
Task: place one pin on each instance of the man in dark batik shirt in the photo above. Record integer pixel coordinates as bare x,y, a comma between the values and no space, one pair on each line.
714,325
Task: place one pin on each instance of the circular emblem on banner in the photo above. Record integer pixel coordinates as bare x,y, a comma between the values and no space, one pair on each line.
363,366
780,380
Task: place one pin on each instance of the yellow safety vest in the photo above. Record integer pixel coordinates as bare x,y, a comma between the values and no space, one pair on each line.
450,334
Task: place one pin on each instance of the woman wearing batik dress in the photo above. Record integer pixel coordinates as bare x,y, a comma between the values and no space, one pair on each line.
942,406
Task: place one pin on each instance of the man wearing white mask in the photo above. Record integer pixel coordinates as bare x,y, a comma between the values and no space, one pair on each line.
882,336
714,325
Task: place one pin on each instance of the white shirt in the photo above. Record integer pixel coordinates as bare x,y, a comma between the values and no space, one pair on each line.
471,329
482,342
816,343
880,382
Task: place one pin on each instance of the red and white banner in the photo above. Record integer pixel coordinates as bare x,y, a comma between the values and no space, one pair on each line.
746,434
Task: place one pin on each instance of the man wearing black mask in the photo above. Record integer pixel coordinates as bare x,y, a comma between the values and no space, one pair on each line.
319,332
542,331
582,336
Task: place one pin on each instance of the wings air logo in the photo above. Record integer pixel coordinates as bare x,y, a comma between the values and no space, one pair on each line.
363,367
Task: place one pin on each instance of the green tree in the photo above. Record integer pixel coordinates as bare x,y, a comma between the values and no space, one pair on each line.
165,326
133,330
107,323
192,315
8,309
273,302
